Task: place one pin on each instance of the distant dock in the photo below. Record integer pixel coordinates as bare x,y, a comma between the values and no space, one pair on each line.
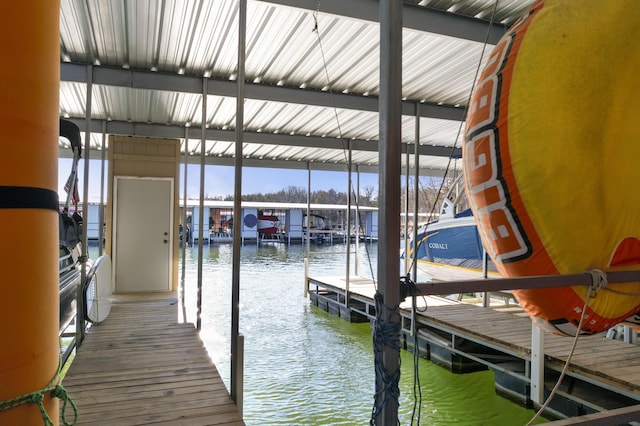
604,373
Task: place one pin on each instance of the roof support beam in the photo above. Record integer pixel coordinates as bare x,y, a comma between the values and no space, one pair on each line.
276,164
414,17
148,80
177,132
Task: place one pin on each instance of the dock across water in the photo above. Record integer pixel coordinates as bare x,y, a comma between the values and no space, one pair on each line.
141,366
603,373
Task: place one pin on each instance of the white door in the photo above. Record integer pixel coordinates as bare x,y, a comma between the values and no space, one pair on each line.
142,234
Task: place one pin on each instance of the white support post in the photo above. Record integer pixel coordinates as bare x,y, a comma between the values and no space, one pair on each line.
537,364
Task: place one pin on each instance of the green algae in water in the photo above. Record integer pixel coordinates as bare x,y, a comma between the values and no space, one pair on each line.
306,367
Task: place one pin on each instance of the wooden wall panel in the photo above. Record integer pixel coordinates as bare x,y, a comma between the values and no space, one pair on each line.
145,157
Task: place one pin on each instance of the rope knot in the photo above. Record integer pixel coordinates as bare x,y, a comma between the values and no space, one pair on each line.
598,281
34,398
407,287
61,393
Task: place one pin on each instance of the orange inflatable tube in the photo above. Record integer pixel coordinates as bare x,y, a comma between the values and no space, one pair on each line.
550,152
28,205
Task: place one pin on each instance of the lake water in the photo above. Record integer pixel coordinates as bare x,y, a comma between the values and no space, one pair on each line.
305,367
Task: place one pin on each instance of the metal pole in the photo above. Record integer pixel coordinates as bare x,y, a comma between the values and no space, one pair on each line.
486,297
184,223
357,256
203,143
236,358
416,188
406,262
414,264
348,270
387,391
308,209
85,210
307,243
521,283
101,212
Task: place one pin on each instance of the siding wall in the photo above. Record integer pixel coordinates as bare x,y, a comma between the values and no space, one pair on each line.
145,157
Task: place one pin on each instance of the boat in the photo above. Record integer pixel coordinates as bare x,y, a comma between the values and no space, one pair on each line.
314,225
268,225
450,248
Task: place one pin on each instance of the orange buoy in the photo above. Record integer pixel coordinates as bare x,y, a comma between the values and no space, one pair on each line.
551,141
29,105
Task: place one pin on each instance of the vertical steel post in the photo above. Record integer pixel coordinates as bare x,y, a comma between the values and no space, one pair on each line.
348,270
308,233
203,143
183,219
389,153
85,209
414,264
236,358
416,188
405,222
101,212
308,209
357,255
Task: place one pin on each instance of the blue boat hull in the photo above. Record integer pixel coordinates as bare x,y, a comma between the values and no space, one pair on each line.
451,250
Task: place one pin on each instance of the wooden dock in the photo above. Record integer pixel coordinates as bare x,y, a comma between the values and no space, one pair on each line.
140,366
603,373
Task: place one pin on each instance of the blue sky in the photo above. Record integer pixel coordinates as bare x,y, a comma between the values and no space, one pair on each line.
219,180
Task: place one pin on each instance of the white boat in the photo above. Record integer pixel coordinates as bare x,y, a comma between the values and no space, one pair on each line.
268,224
450,248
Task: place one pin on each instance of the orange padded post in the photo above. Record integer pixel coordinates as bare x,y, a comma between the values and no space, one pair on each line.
29,87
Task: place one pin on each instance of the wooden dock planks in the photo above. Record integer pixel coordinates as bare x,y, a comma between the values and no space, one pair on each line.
142,367
611,361
607,361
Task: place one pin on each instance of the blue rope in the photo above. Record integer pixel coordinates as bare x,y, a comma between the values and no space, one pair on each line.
386,335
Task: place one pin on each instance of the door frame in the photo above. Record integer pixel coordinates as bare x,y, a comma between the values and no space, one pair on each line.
114,228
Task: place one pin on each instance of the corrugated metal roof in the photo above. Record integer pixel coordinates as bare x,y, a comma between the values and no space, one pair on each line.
313,73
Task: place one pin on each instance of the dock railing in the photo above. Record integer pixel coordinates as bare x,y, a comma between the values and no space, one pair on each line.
589,278
70,340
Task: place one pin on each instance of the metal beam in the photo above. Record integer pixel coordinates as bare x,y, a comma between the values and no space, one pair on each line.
387,324
414,17
276,164
520,283
148,80
177,132
236,356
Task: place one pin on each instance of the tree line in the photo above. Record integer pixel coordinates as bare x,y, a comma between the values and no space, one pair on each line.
431,191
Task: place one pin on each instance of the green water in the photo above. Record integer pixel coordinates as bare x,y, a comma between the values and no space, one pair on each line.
305,367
